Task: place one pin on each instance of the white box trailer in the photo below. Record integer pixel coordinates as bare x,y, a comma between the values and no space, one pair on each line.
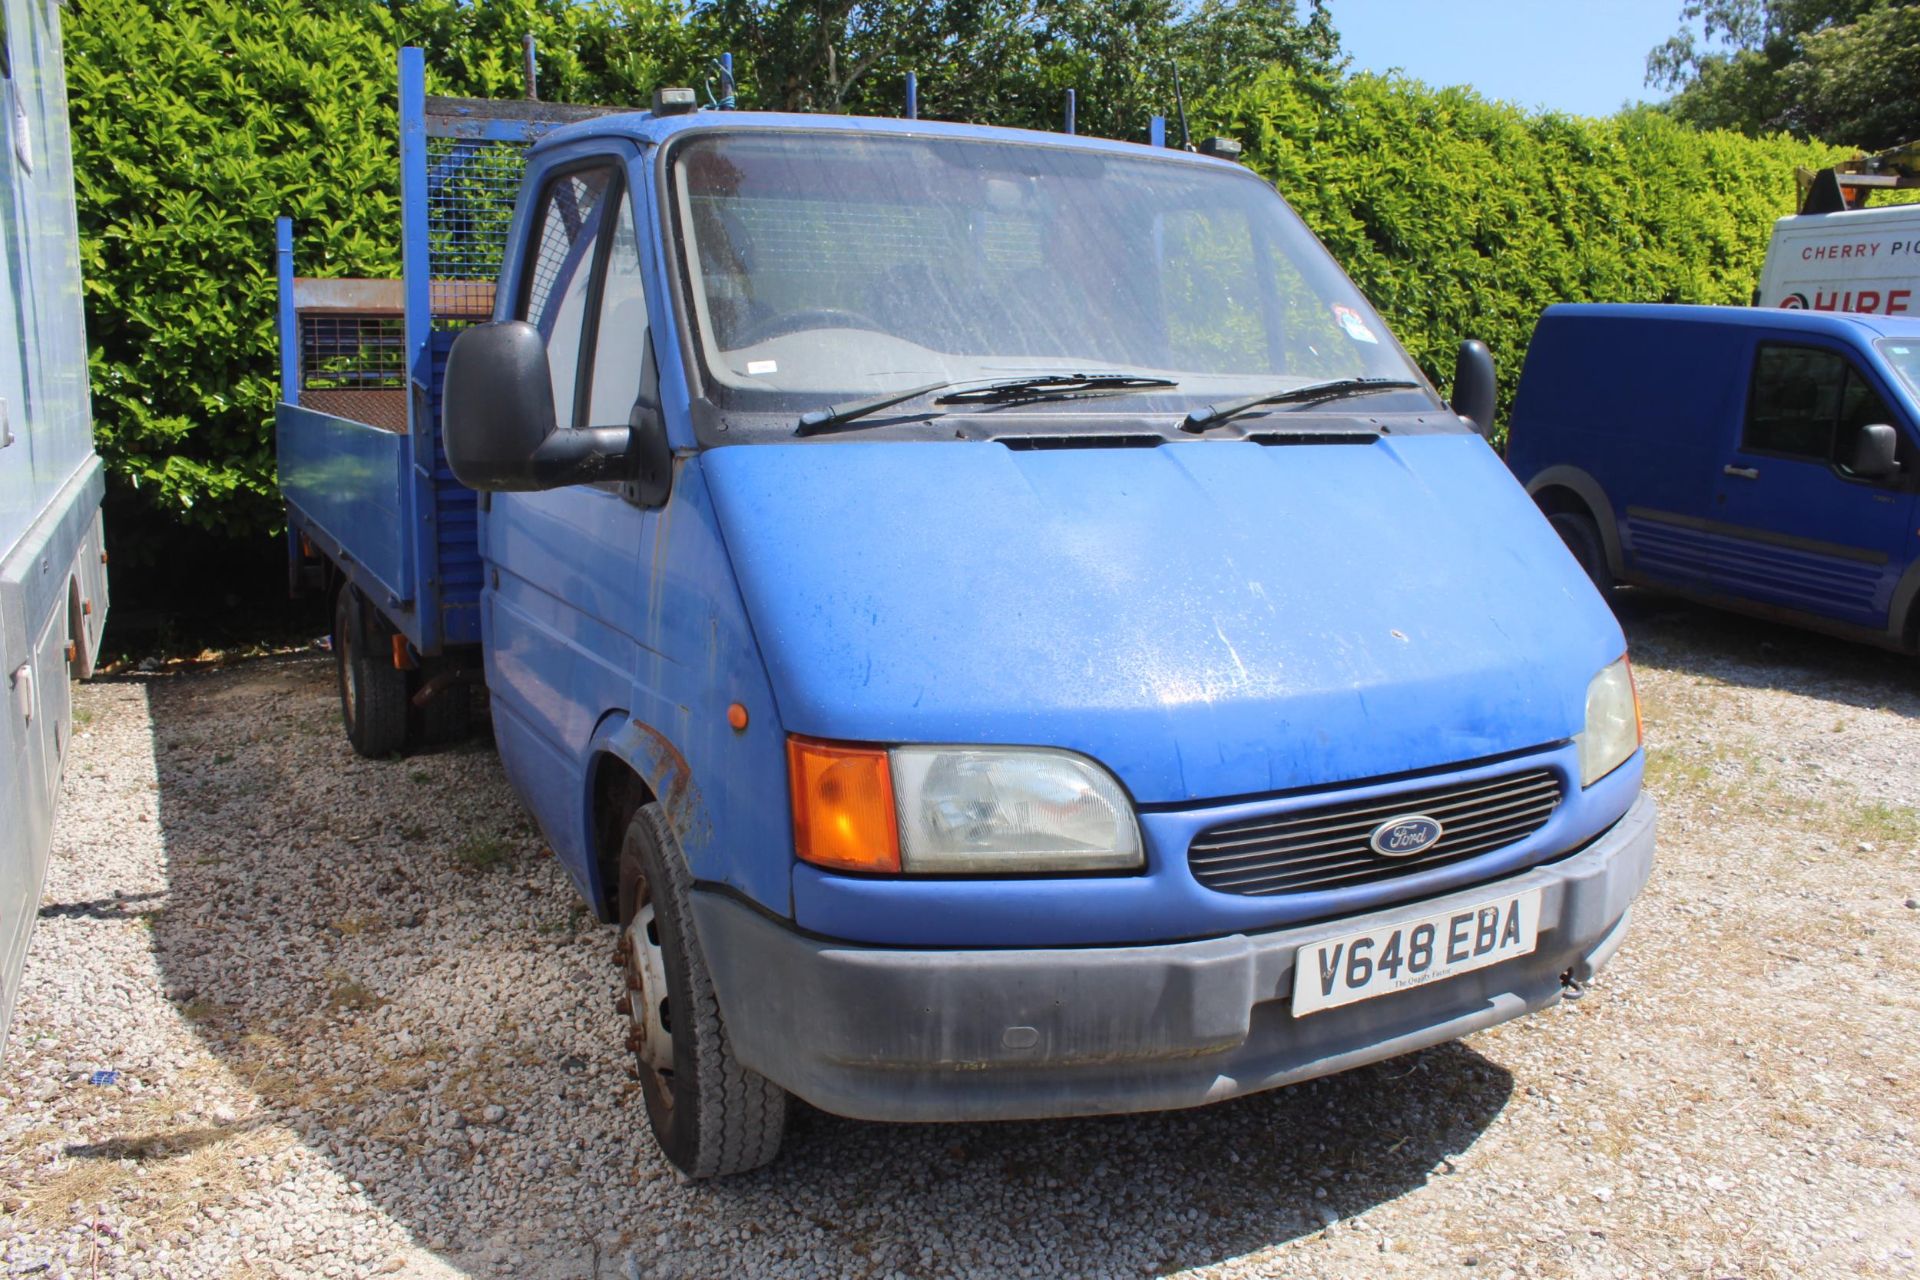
53,578
1858,260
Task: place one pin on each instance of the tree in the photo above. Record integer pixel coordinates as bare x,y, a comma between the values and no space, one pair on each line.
1009,61
1844,70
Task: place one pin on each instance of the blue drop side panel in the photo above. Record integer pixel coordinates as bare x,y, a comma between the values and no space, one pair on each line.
343,484
457,542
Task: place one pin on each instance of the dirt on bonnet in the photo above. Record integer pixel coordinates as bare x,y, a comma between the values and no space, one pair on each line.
361,1026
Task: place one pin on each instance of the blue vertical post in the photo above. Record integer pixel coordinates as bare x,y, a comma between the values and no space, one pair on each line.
1071,102
416,266
913,96
289,317
726,64
1157,132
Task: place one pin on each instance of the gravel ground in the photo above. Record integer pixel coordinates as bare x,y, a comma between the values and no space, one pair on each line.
361,1027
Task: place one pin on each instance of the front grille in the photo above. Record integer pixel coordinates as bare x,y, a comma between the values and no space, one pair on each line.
1326,847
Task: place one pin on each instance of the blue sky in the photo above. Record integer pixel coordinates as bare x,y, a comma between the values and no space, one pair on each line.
1587,57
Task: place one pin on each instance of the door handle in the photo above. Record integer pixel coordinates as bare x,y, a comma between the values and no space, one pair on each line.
1745,473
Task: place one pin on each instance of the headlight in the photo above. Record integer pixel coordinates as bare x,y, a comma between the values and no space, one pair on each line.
957,810
1010,809
1612,733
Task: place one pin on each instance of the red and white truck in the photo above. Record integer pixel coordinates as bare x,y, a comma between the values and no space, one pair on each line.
1835,254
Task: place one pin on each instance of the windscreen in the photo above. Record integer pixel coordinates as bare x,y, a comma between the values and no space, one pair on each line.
824,265
1904,355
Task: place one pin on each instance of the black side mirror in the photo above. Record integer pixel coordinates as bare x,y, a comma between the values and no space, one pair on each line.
1473,386
1874,451
500,430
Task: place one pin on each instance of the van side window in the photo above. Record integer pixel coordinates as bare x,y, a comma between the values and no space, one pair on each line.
1809,403
620,341
559,277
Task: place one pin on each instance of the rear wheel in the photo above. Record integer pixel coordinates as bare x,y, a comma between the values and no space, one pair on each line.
1582,537
710,1115
373,693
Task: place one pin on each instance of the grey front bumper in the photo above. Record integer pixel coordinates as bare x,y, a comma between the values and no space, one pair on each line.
890,1034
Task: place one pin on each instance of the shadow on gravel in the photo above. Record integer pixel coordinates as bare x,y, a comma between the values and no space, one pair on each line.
1730,647
385,956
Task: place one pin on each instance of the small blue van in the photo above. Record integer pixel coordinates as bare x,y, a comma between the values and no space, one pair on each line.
1758,459
992,620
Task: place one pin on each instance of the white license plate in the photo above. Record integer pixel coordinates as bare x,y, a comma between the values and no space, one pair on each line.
1412,953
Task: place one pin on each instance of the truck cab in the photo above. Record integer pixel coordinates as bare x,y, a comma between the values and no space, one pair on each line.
1759,459
993,620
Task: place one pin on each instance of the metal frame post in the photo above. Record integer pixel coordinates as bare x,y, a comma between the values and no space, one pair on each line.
1072,102
418,301
913,96
289,317
1157,132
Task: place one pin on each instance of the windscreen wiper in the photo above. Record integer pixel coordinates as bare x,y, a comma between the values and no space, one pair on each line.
835,414
1054,386
1209,416
1049,386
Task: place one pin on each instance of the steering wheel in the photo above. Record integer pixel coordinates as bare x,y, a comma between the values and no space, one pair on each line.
806,318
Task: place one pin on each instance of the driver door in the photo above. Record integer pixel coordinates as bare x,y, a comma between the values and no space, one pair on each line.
1800,530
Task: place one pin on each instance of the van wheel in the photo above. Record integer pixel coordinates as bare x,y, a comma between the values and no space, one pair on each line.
1582,537
373,694
710,1115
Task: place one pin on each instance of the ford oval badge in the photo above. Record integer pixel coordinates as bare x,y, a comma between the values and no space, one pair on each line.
1405,835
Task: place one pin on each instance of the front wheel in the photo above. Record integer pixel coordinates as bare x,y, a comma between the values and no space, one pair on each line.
1582,537
711,1115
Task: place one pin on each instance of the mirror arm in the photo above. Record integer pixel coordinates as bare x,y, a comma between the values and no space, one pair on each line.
581,456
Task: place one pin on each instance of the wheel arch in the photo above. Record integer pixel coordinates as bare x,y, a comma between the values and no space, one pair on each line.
632,763
615,792
1569,489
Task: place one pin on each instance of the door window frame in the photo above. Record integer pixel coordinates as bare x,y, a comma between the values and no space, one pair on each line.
616,191
1904,479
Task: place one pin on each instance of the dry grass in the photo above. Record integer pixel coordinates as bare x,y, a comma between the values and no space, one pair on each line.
179,1161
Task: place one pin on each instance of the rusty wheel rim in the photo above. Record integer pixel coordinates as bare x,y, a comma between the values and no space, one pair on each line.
649,1016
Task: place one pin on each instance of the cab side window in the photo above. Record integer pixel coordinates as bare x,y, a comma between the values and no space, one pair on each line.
560,277
620,337
1809,403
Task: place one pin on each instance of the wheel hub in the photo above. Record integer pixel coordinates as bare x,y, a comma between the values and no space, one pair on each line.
349,695
650,1035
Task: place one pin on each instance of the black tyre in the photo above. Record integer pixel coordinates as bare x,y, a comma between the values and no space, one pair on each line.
711,1116
1582,537
373,693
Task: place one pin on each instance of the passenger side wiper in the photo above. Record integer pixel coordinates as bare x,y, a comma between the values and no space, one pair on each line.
1209,416
1053,386
835,414
1050,386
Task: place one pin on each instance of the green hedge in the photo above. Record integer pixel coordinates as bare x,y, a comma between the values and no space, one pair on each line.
196,123
1464,218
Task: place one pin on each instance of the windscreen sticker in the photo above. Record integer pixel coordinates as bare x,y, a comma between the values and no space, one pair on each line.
756,367
1355,326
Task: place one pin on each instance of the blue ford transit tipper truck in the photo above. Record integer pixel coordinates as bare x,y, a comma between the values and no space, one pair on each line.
994,618
53,576
1759,459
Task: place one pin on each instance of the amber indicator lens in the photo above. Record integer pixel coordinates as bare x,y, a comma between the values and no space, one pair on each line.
843,815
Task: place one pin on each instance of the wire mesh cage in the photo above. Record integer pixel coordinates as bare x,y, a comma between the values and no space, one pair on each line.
354,366
471,187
